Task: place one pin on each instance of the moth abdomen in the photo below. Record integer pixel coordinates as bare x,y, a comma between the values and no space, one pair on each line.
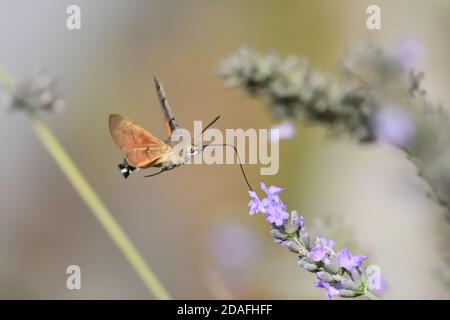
126,169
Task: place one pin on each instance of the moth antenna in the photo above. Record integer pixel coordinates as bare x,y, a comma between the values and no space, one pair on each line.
239,159
210,124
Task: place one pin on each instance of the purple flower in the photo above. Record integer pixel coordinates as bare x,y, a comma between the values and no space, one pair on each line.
322,249
349,261
393,125
318,254
409,52
285,130
276,213
272,192
331,291
233,245
255,205
287,229
273,208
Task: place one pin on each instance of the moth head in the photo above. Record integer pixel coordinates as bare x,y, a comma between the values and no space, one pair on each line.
194,149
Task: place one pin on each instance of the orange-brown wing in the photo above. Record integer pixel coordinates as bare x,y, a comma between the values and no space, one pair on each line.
145,156
128,135
167,128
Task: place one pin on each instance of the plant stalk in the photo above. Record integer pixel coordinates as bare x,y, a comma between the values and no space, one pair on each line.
92,200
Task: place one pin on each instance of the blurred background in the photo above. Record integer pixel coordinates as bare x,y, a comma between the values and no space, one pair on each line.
192,224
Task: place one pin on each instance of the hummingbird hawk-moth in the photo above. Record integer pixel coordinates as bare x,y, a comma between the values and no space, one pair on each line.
143,150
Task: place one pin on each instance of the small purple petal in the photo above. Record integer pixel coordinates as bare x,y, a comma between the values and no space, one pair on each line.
282,131
324,243
323,248
331,291
348,261
393,125
255,205
272,191
275,214
318,254
410,52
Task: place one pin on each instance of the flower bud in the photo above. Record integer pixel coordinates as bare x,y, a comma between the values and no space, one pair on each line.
325,276
291,245
307,265
277,235
304,237
348,293
357,277
350,285
332,265
297,221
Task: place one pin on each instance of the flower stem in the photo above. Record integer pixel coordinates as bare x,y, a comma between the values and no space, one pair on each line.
5,77
87,193
371,296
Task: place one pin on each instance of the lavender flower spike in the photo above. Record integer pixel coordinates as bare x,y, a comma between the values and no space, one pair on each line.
340,274
38,92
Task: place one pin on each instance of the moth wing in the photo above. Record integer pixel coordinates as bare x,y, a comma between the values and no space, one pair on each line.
145,157
170,124
128,135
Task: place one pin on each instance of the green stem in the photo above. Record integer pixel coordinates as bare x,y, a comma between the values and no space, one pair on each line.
371,296
5,77
94,203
